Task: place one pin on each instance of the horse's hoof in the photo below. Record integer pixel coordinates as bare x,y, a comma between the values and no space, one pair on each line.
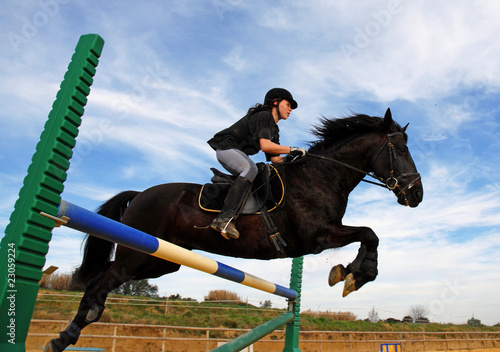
336,275
349,285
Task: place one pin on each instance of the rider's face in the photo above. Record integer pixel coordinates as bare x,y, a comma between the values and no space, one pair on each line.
285,109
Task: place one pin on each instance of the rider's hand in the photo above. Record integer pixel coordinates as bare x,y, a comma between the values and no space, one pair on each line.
302,151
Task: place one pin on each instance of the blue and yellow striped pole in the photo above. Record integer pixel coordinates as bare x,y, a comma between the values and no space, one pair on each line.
100,226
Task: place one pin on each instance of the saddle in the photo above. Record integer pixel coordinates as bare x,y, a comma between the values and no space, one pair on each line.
268,191
267,194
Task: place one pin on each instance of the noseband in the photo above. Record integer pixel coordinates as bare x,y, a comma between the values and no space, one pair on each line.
392,182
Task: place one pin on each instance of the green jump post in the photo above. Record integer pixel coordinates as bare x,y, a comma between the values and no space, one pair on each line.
256,334
291,318
293,328
27,236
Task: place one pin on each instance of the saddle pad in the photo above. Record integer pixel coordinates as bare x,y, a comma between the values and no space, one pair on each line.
212,195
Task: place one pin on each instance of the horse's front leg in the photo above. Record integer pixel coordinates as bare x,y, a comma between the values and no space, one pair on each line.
361,270
364,267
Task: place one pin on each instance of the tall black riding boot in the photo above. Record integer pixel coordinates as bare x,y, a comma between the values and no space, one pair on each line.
233,204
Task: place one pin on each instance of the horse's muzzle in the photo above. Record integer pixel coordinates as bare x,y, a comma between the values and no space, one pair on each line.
410,196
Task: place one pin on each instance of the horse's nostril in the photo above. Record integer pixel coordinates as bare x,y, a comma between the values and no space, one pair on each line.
419,195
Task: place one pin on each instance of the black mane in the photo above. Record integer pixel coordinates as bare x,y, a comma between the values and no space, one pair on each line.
337,131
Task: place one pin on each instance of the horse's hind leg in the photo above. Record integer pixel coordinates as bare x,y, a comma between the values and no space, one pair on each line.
91,307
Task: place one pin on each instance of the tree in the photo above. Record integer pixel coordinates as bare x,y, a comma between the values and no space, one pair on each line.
55,281
266,304
222,295
473,321
418,312
137,288
373,315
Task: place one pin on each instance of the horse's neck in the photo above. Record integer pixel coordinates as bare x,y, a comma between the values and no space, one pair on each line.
341,165
355,152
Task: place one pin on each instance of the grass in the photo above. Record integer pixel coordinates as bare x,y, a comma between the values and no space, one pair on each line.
219,314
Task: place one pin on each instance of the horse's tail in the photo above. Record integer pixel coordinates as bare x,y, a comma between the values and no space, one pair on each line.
98,252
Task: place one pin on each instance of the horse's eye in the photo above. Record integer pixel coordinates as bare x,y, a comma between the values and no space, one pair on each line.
403,149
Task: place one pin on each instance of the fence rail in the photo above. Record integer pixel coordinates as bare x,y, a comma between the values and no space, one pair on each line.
323,341
168,304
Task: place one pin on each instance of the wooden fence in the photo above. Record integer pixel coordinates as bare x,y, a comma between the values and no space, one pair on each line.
165,338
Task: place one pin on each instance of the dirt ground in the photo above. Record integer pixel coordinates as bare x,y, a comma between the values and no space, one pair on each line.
255,350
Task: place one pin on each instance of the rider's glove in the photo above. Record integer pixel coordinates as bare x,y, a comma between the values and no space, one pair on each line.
302,151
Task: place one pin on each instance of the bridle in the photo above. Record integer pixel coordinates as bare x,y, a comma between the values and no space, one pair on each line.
392,182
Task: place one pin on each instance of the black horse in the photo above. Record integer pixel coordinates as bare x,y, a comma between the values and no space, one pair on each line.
309,220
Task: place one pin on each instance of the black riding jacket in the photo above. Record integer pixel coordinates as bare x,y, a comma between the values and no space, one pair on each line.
245,133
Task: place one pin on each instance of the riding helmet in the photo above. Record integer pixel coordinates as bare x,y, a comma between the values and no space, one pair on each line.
279,94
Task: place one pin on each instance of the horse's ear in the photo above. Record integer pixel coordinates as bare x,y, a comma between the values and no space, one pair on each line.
388,121
404,128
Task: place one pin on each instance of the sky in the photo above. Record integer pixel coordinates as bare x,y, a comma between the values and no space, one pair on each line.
173,73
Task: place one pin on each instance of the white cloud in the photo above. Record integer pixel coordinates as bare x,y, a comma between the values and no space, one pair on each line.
441,50
235,59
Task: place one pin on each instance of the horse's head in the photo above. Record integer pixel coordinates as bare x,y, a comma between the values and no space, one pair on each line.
394,166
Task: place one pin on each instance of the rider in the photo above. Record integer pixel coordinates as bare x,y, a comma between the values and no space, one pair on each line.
257,130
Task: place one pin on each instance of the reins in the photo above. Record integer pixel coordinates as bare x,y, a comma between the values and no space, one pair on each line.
372,175
391,182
